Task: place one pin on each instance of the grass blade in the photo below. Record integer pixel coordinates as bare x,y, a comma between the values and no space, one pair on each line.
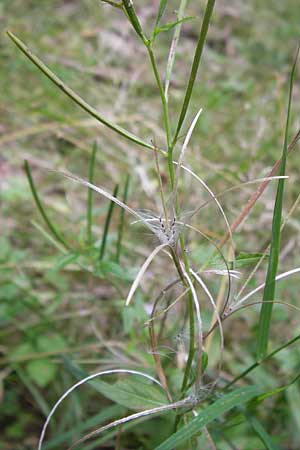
173,48
161,10
209,414
41,208
133,18
122,219
261,433
195,66
75,97
269,291
107,223
258,363
90,196
107,414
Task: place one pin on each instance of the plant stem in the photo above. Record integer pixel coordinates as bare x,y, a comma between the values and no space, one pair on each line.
165,112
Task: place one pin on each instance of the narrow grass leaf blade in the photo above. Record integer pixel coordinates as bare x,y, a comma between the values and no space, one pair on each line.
169,26
269,291
161,11
132,16
107,223
258,363
173,48
75,97
90,196
41,208
108,413
212,412
195,66
122,219
262,433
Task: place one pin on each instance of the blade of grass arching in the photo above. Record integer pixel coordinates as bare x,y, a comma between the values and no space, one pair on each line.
261,433
121,222
258,363
107,223
207,415
173,48
195,66
41,208
90,196
269,291
75,97
107,414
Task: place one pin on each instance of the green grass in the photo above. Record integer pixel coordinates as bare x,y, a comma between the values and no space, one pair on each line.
68,256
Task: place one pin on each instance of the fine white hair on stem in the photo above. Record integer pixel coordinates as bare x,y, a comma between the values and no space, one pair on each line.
183,149
199,322
142,271
158,410
279,277
83,381
206,290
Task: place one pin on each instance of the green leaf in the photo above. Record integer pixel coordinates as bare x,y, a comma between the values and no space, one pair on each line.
269,290
107,223
204,361
113,268
246,259
41,371
161,10
107,414
262,433
195,66
75,97
170,25
131,392
89,212
121,221
129,8
212,412
41,208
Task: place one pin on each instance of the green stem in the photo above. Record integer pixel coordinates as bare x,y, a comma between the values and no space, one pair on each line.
258,363
90,196
165,113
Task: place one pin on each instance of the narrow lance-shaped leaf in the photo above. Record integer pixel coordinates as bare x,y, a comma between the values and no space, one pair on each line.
173,48
132,16
90,196
161,10
209,414
269,291
107,223
261,433
41,208
195,66
75,97
121,223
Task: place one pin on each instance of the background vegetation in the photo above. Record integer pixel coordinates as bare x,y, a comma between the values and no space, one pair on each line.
59,321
